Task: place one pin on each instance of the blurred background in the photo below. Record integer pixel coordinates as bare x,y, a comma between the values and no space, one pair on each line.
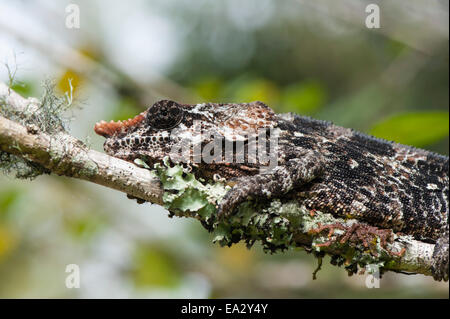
314,58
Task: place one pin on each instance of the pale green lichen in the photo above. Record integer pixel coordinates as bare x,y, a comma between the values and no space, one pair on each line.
14,165
275,224
185,195
89,169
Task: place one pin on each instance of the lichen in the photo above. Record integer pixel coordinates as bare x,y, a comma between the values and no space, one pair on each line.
47,113
185,195
14,165
46,116
275,224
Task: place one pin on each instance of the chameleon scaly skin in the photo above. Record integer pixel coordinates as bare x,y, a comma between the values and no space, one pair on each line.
329,168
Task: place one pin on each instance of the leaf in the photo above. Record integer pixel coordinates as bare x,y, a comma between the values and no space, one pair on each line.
417,129
24,88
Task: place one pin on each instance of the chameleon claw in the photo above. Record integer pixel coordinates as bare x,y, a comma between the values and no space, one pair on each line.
359,233
224,210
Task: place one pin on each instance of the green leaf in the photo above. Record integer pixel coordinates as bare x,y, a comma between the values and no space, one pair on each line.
24,88
417,129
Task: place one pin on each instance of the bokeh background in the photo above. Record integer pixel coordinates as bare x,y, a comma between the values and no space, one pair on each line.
315,58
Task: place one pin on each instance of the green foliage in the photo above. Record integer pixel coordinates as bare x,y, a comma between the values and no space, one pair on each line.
154,267
303,97
209,89
356,110
7,200
246,90
363,77
84,226
25,89
417,129
126,108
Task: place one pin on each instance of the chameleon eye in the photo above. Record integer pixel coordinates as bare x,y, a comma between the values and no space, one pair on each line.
164,115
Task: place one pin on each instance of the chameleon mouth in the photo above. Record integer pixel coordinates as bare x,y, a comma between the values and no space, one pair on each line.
109,129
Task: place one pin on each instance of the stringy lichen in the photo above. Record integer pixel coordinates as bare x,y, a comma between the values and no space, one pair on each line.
45,116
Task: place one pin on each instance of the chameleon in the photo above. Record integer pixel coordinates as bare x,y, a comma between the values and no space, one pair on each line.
327,167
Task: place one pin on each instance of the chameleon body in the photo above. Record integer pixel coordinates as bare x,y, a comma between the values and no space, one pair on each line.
329,168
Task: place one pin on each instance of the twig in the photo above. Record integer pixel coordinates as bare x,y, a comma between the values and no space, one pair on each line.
64,155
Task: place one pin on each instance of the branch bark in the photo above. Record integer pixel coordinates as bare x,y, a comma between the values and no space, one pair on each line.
64,155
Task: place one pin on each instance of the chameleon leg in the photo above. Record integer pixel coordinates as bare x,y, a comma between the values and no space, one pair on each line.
440,267
279,181
359,233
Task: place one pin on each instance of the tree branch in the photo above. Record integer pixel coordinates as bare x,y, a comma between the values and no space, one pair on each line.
62,154
279,225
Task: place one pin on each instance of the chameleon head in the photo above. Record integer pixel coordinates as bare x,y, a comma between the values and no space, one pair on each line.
167,125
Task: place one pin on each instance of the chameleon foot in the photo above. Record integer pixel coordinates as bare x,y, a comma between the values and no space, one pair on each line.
440,263
357,233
